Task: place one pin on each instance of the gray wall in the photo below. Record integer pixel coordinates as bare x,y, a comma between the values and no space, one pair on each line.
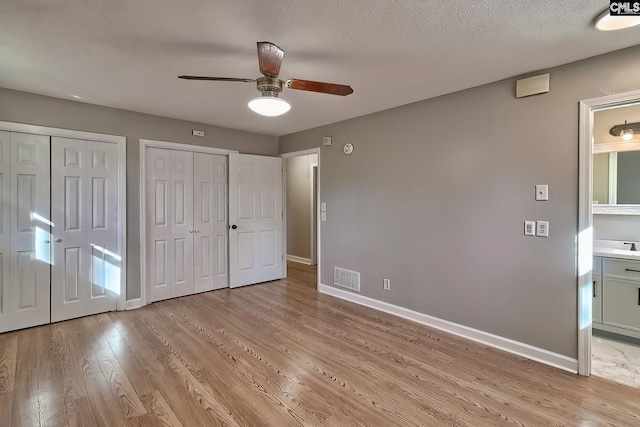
299,206
435,194
22,107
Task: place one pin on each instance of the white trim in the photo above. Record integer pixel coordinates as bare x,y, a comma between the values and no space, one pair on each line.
64,133
616,209
616,147
132,304
514,347
121,143
143,144
300,153
584,239
314,198
299,259
184,147
318,198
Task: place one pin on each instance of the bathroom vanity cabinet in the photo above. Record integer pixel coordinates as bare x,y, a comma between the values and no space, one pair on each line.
616,304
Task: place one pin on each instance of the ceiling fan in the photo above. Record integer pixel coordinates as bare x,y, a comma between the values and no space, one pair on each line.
269,60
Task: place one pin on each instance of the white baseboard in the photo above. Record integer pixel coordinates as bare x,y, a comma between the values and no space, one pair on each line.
299,259
132,304
515,347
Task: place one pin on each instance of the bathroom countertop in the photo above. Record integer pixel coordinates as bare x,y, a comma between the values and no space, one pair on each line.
614,249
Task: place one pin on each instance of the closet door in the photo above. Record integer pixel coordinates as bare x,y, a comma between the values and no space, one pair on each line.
255,215
86,268
5,236
204,210
30,258
221,262
209,222
169,222
181,202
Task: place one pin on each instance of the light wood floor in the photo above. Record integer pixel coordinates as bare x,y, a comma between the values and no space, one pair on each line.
280,354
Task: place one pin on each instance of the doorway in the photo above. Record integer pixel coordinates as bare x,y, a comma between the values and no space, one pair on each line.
302,190
605,226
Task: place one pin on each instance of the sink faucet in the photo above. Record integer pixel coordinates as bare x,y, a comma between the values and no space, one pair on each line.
633,246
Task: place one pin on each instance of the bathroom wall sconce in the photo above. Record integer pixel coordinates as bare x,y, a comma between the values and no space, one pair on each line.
626,131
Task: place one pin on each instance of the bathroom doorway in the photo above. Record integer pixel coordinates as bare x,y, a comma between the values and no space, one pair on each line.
609,217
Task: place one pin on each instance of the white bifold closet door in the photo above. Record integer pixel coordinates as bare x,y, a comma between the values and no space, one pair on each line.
85,275
25,242
186,205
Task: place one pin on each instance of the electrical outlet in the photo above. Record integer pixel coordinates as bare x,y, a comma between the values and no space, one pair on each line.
542,228
323,216
529,228
196,132
386,284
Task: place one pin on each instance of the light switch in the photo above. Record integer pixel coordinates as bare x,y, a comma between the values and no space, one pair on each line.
323,207
542,192
323,216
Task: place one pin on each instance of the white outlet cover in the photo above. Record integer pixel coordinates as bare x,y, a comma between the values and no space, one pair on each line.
323,216
542,192
542,228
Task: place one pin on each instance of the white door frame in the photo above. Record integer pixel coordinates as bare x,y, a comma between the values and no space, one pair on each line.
144,143
284,207
121,142
584,249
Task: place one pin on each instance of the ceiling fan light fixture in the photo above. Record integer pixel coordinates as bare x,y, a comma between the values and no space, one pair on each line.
606,22
270,106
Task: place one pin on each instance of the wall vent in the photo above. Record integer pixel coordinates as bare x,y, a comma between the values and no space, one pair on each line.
346,279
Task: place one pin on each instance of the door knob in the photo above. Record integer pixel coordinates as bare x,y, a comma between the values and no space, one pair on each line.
47,241
234,226
58,240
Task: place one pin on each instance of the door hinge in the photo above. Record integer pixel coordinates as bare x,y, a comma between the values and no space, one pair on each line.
281,214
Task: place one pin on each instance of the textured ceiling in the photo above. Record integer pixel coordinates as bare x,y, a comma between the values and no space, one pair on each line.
127,54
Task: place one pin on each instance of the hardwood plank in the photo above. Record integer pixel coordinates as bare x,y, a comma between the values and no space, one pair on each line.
26,410
79,414
119,385
104,407
6,407
160,411
8,355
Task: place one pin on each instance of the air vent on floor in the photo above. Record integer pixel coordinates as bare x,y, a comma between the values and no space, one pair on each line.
346,278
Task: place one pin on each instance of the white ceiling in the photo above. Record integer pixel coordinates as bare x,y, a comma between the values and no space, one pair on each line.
127,54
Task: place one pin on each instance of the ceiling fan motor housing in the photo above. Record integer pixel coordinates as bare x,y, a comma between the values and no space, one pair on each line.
270,86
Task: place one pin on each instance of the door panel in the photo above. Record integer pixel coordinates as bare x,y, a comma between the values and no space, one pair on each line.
181,220
85,181
5,237
221,240
255,197
203,223
158,179
30,258
102,229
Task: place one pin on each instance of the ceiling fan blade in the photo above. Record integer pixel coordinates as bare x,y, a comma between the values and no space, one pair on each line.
269,58
217,79
330,88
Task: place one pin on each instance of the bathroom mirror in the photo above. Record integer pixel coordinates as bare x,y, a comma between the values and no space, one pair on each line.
616,163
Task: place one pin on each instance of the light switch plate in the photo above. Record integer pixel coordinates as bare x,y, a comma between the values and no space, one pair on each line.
323,216
529,228
542,192
323,206
542,228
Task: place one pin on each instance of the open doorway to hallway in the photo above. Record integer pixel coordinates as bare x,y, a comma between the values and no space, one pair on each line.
301,180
